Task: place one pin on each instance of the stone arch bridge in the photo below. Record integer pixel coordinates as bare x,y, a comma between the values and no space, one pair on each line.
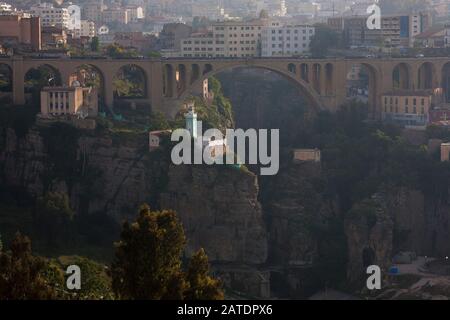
322,81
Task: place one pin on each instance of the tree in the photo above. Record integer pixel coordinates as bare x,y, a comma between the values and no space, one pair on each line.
323,39
147,257
22,276
147,262
95,44
201,285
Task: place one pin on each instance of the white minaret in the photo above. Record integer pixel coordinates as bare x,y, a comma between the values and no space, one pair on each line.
191,122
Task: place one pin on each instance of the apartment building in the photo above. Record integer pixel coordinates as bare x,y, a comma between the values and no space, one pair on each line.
18,30
50,15
87,29
286,40
172,35
134,13
199,45
115,15
226,39
407,108
396,30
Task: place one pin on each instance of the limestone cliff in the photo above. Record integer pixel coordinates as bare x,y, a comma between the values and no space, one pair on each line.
220,212
218,205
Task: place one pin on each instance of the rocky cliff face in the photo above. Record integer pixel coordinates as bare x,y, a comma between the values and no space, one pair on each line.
220,212
218,206
406,220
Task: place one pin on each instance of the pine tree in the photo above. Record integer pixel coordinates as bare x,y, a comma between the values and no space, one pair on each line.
201,285
22,276
147,262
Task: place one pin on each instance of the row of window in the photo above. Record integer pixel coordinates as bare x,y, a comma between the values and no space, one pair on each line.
414,110
56,106
218,49
289,38
217,55
237,28
288,45
59,94
391,100
288,31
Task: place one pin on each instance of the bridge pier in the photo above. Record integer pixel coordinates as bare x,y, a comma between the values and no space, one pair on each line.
18,81
156,88
109,90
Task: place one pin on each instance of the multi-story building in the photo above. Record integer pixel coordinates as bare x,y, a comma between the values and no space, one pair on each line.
286,40
87,29
407,107
138,40
396,30
17,30
115,15
69,101
54,37
199,45
171,35
50,15
238,38
226,39
135,13
436,37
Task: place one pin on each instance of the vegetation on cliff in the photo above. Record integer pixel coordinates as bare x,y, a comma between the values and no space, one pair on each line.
148,265
147,262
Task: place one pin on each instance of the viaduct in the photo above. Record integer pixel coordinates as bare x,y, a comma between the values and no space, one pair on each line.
322,81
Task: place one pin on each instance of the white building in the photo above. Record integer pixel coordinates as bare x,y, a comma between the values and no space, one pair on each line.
51,16
5,7
135,13
216,147
286,40
87,29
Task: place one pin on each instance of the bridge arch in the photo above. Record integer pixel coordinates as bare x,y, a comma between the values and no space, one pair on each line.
6,77
134,78
311,95
329,75
425,76
89,75
37,77
401,75
6,83
292,68
304,72
373,75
